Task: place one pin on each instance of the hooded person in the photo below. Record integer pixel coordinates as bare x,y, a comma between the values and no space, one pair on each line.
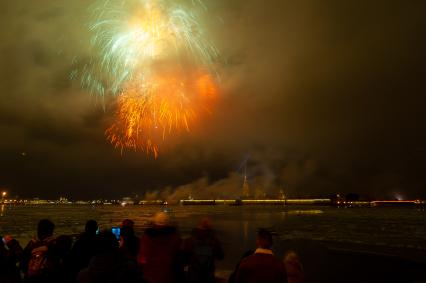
159,252
201,249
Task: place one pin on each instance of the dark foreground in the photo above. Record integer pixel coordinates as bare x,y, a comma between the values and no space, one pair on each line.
332,263
345,245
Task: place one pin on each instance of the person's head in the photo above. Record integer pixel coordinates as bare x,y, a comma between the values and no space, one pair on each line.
264,239
126,232
127,228
45,229
161,219
127,223
205,224
91,227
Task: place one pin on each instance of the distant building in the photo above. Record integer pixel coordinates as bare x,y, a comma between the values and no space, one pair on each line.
63,200
246,188
127,201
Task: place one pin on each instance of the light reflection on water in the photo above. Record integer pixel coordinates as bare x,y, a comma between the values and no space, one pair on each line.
308,211
236,225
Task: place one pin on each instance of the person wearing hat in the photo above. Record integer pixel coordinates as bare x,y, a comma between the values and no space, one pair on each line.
159,251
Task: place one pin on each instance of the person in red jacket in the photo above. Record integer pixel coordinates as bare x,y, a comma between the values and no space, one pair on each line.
262,266
159,252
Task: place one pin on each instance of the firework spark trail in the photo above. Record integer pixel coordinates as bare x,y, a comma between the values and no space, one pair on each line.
174,102
138,42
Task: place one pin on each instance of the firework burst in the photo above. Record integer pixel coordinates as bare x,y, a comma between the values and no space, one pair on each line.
129,37
155,56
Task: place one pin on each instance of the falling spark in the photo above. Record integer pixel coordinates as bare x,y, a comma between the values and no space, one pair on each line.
172,104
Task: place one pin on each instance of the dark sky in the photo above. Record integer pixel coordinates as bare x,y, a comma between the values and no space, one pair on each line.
323,96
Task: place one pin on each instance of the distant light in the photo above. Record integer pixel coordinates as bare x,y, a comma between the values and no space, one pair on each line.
398,196
23,153
3,194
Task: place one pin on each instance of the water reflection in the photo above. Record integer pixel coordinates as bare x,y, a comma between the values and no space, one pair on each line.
2,210
245,233
303,212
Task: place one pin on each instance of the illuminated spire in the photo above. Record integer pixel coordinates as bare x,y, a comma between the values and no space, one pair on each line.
246,189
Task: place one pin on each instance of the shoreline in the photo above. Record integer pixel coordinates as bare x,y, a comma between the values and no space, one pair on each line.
226,202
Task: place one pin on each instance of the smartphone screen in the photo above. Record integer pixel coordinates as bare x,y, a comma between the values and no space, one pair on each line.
116,232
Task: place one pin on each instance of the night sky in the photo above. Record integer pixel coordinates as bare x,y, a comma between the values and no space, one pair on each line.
320,97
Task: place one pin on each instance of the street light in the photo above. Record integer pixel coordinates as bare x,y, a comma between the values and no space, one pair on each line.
3,194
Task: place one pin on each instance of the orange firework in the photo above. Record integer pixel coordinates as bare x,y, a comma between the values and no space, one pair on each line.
149,110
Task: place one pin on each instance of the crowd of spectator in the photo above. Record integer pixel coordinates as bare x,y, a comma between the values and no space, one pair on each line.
160,255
